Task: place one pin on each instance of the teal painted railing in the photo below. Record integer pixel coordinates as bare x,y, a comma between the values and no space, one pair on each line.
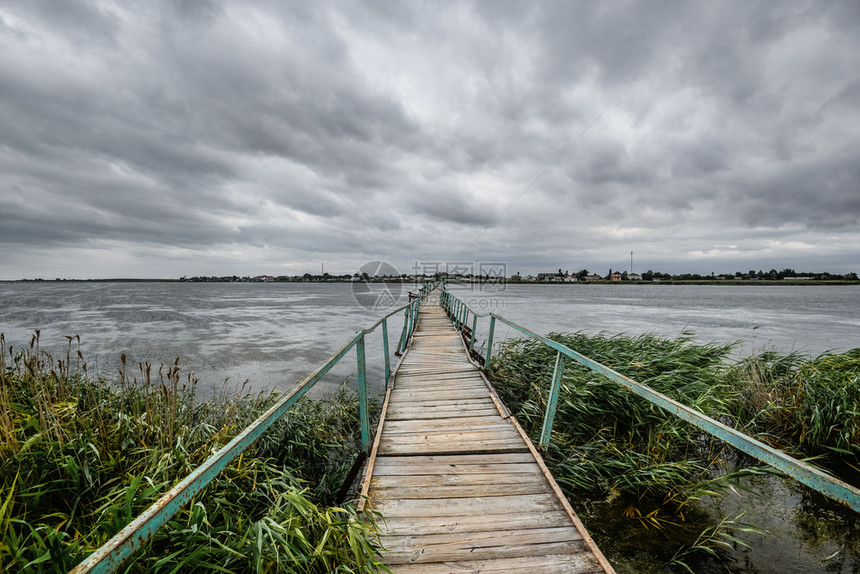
118,549
830,486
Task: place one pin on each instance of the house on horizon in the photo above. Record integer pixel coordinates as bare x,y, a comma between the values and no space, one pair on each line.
593,277
554,276
616,276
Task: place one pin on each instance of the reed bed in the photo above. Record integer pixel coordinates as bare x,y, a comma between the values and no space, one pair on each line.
81,456
636,469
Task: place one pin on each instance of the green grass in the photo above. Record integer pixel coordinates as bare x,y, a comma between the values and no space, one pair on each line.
80,457
637,470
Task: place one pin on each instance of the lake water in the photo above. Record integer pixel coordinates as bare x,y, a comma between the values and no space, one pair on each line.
808,319
273,334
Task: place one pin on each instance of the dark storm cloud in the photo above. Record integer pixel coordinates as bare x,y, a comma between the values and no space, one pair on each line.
557,133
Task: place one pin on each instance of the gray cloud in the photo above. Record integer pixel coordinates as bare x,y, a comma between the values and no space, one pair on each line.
204,137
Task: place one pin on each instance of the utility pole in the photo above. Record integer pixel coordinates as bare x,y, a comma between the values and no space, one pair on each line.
631,263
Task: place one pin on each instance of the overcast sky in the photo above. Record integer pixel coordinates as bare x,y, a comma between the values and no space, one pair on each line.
160,139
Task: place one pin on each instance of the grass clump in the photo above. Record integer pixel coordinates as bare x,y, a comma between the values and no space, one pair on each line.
635,468
809,407
80,457
607,440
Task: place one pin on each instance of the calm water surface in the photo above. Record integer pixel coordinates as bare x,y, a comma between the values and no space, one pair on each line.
269,334
809,319
274,334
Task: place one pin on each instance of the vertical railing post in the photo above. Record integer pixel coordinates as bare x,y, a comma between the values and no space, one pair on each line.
552,401
490,340
362,392
474,330
411,322
401,344
386,351
408,331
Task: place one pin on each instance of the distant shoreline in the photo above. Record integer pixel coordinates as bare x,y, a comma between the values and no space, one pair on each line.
742,282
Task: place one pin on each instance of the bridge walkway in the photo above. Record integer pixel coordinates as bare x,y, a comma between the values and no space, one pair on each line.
460,486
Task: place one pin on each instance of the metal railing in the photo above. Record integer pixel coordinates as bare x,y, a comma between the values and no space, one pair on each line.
460,314
110,556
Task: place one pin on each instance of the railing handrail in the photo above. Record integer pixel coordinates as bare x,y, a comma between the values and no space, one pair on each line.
111,555
805,473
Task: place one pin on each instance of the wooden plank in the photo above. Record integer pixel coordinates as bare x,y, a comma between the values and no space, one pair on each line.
495,549
491,421
482,505
497,537
473,523
495,445
445,435
448,371
451,479
430,384
579,563
403,399
467,411
460,461
447,401
462,470
461,491
450,426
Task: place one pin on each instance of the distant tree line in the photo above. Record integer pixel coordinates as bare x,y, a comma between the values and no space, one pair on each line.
651,275
772,275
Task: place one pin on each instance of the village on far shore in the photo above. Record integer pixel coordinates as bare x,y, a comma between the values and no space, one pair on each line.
560,276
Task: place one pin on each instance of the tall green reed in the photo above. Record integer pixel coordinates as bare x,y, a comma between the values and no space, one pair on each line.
80,457
631,463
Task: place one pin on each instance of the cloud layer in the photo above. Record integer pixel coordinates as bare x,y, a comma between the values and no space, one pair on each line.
163,139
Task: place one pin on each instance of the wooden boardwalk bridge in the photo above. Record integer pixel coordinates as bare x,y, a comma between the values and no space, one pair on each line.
459,484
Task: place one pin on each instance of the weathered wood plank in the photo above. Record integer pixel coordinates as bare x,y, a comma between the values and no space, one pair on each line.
483,505
510,520
461,491
408,469
431,413
514,549
496,445
428,385
405,399
580,563
506,432
483,422
451,479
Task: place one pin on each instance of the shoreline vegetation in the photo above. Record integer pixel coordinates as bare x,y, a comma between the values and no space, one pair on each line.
572,284
581,277
640,474
80,456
